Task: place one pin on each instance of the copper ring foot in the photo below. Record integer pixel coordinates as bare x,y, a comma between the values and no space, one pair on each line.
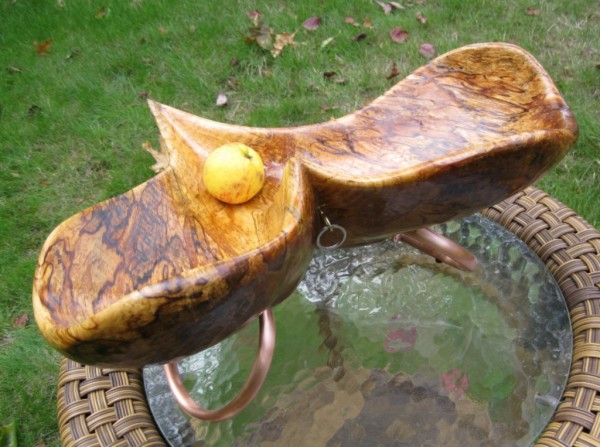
266,347
441,248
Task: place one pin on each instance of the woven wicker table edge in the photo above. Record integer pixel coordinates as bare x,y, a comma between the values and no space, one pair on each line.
570,247
108,407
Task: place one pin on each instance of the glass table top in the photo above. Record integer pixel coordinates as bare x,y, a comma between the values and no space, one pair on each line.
382,345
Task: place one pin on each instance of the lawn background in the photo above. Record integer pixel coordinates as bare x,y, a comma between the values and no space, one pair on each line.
73,120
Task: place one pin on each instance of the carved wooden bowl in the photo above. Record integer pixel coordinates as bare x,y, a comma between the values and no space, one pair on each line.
164,270
153,274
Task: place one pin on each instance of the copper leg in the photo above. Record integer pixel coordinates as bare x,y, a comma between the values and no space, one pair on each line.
440,247
266,347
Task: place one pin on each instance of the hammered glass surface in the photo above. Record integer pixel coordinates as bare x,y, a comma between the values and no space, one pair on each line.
383,346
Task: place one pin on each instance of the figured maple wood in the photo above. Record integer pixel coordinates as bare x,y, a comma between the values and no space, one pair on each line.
165,270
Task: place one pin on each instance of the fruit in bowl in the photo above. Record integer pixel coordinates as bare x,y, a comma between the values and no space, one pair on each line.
234,173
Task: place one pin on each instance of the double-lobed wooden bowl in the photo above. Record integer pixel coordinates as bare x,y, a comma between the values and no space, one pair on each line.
165,270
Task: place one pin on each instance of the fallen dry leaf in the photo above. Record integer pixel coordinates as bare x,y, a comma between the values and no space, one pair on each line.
261,35
359,37
254,15
281,41
312,23
393,73
42,48
351,21
532,12
221,100
160,157
332,76
21,321
396,5
12,69
367,23
326,108
387,8
421,18
327,42
427,50
398,35
102,13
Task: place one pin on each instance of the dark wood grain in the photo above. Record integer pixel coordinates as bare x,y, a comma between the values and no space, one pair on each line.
166,270
150,275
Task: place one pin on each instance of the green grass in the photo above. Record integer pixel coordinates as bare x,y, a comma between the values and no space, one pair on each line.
72,122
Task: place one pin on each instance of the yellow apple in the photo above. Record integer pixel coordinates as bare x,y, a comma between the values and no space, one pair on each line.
233,173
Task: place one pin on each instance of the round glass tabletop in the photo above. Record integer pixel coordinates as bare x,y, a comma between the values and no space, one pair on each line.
382,345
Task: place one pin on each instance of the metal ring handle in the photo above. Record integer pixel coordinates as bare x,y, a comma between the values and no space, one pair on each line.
266,347
328,228
440,247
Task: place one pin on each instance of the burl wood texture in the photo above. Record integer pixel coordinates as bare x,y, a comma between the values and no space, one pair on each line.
154,274
465,131
166,270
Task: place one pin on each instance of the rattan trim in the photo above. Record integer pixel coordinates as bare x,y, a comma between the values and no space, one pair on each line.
99,407
570,247
107,407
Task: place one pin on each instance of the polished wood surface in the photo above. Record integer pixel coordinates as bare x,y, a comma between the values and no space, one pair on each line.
154,274
465,131
165,270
